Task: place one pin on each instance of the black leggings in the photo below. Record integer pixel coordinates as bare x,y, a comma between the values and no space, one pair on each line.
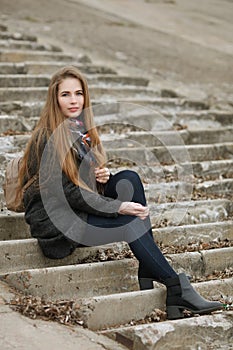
127,186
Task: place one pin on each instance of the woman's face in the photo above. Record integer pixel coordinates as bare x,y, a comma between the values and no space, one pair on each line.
71,97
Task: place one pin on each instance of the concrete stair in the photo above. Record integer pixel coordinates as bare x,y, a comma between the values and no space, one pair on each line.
17,55
185,332
36,80
183,151
26,45
49,67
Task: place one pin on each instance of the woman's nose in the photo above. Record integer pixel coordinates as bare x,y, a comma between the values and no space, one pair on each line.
73,99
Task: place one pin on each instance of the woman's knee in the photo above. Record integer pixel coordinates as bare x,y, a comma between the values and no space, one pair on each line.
129,187
129,175
126,185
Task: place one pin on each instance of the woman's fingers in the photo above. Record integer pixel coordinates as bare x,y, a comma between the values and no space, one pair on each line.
102,174
131,208
142,215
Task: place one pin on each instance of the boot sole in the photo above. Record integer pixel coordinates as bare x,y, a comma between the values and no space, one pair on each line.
174,312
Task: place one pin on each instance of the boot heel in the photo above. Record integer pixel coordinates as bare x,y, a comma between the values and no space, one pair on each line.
145,283
173,312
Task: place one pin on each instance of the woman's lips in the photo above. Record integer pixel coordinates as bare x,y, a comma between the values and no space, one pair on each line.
74,109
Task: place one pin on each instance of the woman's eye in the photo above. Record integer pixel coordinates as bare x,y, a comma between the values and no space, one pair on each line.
64,94
80,93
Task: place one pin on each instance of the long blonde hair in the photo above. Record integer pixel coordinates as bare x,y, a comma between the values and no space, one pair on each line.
50,119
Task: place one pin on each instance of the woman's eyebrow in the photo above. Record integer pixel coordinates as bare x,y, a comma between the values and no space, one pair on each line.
68,91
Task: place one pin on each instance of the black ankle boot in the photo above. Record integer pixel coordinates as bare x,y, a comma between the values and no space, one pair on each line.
147,283
181,295
144,281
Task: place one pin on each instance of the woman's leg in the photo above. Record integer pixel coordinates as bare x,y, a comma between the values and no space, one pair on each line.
150,257
127,186
152,264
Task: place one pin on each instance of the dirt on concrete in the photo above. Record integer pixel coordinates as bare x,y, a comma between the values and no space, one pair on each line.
180,43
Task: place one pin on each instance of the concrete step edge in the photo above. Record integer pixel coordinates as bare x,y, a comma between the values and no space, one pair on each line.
49,67
27,45
171,154
185,333
155,207
10,80
82,278
189,234
17,36
103,312
26,254
178,235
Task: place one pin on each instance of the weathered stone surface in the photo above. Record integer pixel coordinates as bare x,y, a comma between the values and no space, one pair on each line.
28,55
190,212
17,36
23,80
7,145
32,109
27,45
34,80
202,263
12,68
163,192
103,312
50,67
39,93
104,94
28,256
186,234
212,118
217,260
188,262
13,123
18,331
159,172
189,334
13,226
23,94
3,28
215,289
24,254
172,154
213,168
27,109
21,332
108,311
182,213
180,103
216,187
117,79
166,114
76,281
181,235
174,137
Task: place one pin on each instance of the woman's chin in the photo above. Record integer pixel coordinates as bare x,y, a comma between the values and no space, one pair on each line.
73,115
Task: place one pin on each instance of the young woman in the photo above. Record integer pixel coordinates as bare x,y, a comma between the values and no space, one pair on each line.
75,201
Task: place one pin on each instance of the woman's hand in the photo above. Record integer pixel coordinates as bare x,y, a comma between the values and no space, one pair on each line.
102,175
132,208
